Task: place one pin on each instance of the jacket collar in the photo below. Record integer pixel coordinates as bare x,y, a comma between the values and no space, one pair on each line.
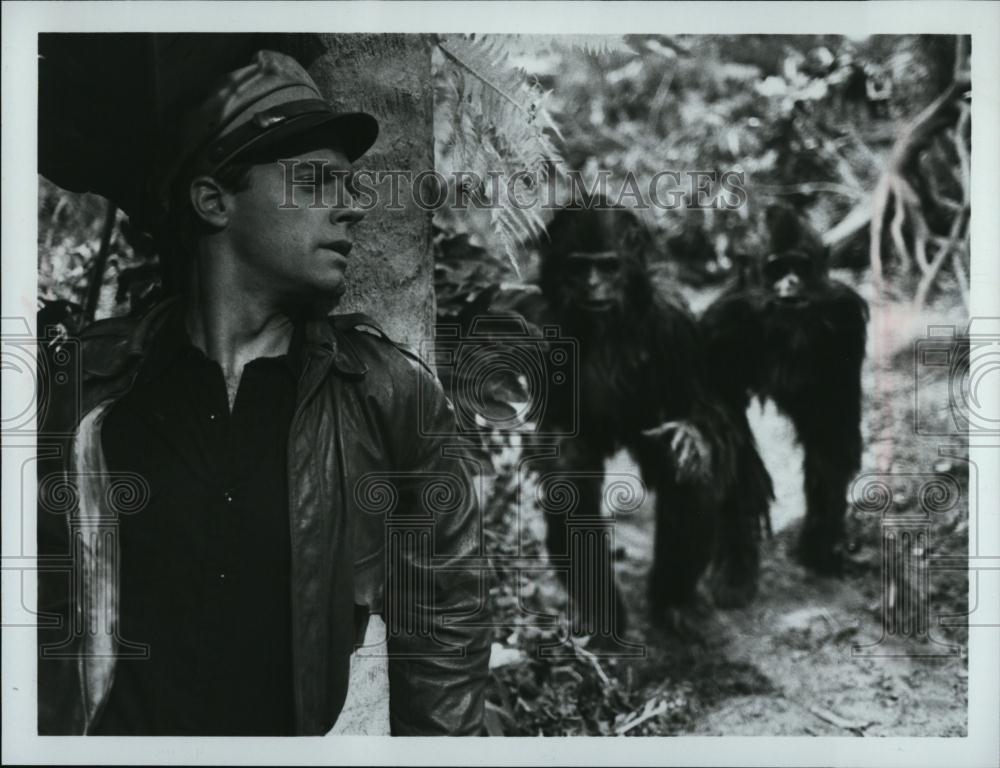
324,342
114,347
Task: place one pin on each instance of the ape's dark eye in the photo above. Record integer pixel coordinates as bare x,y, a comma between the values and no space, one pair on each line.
605,262
774,271
792,263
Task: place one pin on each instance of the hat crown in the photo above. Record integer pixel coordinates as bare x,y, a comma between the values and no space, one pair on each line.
269,80
249,109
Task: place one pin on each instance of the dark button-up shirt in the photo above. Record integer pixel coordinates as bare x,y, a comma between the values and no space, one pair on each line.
205,564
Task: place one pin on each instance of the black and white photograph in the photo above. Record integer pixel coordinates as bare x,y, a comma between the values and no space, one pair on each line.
385,370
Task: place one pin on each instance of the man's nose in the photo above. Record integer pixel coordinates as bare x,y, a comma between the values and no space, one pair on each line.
349,215
593,277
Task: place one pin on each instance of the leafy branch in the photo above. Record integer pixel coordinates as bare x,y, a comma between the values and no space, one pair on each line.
491,121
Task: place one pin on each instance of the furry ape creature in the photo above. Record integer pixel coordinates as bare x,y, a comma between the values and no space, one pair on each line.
790,334
642,385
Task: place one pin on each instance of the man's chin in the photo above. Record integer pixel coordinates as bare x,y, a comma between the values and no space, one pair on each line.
318,303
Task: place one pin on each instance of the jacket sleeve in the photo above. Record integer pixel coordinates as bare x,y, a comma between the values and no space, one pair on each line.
439,642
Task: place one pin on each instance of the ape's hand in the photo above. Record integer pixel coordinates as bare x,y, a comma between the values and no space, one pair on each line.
692,454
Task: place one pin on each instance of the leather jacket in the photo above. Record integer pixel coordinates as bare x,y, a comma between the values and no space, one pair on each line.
384,519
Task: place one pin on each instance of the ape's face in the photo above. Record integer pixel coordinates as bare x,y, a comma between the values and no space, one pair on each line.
594,263
594,280
795,270
788,276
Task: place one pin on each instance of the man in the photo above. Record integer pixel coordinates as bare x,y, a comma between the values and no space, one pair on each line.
279,461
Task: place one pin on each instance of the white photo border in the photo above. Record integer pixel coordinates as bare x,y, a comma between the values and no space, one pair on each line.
21,24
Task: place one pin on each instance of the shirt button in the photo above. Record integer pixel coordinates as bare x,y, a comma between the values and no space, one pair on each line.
228,496
222,577
213,417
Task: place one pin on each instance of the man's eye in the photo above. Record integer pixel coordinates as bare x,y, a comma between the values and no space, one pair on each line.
343,177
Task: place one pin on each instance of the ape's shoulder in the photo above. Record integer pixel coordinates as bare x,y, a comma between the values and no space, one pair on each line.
672,302
846,301
670,327
735,307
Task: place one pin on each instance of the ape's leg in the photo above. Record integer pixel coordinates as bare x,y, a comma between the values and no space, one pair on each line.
832,456
682,548
736,561
820,544
744,507
828,425
682,543
578,539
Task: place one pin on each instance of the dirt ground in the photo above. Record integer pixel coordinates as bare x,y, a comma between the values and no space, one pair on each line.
810,655
785,666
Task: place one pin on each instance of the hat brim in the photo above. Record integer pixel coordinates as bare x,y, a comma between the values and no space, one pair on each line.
353,133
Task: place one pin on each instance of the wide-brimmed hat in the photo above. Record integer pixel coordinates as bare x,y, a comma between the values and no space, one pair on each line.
252,109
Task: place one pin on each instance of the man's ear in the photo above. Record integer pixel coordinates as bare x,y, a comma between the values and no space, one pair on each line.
210,201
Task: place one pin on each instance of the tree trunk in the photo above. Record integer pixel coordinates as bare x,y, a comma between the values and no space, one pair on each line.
391,270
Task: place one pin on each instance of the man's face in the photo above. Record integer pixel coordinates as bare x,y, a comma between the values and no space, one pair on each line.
288,246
